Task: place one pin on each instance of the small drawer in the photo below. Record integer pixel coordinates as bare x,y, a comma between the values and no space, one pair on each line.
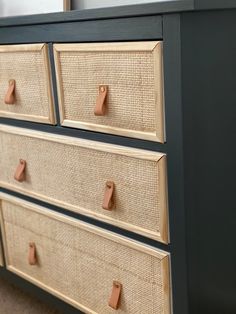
113,88
94,270
25,83
119,185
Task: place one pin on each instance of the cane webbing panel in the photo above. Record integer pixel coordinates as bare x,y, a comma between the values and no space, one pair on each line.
134,79
72,173
28,66
80,262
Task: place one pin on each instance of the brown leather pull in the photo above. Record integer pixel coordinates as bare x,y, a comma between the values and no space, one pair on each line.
115,295
101,101
108,200
10,98
20,171
32,254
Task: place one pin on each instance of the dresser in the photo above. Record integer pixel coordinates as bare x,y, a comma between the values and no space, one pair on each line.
117,171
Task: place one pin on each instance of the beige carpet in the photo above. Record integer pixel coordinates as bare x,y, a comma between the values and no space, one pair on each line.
13,300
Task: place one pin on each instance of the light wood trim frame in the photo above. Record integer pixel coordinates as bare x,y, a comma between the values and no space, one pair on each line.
66,5
162,235
45,53
153,46
160,254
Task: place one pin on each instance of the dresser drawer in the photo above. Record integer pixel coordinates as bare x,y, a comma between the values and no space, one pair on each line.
25,83
113,88
120,185
79,263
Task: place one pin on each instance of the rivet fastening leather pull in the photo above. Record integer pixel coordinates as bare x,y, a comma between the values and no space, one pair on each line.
115,295
20,171
100,107
10,98
32,254
108,200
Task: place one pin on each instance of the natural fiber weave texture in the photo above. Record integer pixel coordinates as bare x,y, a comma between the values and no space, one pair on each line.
27,68
77,175
82,265
132,94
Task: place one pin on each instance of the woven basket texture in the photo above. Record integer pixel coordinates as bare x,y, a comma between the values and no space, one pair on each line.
131,94
76,176
27,68
82,265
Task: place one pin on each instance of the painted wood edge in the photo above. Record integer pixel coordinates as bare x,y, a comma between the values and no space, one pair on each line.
130,243
108,129
21,47
111,46
47,69
77,209
164,212
158,88
89,144
50,290
25,117
165,270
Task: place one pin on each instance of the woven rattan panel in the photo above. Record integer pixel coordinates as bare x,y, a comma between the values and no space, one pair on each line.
73,172
79,262
133,73
28,66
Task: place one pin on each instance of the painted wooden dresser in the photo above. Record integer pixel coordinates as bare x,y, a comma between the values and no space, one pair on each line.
117,166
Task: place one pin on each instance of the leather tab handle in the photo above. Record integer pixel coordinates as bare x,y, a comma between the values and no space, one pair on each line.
108,200
20,171
32,254
115,295
100,107
10,98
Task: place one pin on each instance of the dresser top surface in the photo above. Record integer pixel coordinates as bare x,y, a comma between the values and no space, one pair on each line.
160,7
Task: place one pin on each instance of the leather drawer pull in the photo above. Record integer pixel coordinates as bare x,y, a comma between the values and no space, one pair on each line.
108,200
10,95
115,295
32,254
101,101
20,171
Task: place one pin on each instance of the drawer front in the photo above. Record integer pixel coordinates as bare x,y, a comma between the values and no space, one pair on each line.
74,173
132,74
25,83
79,263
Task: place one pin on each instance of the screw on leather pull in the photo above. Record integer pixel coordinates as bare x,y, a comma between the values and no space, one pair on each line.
10,98
108,200
100,107
20,171
115,295
32,254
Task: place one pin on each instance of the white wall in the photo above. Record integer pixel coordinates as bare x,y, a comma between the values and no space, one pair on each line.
87,4
21,7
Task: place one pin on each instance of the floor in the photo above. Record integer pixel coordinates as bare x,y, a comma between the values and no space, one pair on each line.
13,300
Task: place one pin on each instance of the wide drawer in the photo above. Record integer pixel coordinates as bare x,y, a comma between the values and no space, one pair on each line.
75,174
25,83
79,263
128,74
